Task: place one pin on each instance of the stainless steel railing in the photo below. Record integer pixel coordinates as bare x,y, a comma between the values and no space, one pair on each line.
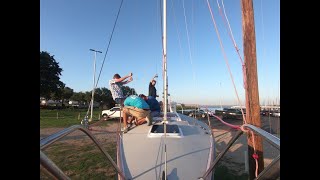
273,170
55,170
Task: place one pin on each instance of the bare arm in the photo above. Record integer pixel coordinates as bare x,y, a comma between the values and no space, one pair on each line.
123,78
127,81
155,76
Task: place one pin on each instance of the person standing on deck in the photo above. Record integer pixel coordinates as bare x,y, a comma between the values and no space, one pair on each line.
152,88
115,87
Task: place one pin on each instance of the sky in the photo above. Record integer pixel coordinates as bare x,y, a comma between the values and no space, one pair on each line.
197,66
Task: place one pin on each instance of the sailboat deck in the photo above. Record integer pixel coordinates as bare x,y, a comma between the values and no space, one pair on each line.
188,153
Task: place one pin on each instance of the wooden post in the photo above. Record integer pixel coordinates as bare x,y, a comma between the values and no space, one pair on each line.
79,116
252,93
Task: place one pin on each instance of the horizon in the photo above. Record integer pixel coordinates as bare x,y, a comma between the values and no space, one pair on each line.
68,29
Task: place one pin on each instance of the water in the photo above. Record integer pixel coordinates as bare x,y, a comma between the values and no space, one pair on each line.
210,108
214,108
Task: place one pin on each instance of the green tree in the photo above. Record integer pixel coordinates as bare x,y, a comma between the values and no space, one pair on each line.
58,94
88,96
127,91
49,75
78,96
63,93
104,97
67,93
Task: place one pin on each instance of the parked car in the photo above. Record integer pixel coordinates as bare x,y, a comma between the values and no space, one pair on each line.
266,113
111,113
276,114
198,113
210,113
232,114
219,112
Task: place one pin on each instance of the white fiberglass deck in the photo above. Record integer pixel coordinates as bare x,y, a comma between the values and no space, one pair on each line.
189,153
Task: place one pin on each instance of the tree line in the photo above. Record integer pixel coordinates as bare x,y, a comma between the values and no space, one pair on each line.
51,87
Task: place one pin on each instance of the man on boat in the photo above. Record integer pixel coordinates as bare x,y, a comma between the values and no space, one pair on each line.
115,87
138,108
153,103
152,88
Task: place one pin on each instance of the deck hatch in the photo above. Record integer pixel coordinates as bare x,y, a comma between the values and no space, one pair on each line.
159,128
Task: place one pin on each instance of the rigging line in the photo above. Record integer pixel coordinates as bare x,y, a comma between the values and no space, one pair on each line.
106,52
161,33
178,32
226,21
220,97
161,27
160,7
262,22
264,49
185,20
254,155
105,55
225,123
43,20
225,57
161,23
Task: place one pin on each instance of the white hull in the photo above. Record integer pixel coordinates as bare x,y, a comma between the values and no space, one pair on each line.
189,152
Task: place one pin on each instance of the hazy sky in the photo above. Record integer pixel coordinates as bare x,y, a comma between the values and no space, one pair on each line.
197,68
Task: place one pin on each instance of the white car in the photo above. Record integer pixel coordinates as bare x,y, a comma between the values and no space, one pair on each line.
111,113
276,114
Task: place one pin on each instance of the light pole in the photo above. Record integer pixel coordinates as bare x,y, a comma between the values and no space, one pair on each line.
94,79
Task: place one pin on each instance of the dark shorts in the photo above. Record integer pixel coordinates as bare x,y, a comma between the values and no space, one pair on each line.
155,113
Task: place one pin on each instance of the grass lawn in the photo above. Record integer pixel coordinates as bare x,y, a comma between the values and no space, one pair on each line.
82,161
65,117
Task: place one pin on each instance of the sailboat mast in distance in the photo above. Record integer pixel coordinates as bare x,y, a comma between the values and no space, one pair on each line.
220,98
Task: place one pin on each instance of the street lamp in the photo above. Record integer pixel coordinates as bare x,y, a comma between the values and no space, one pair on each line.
94,79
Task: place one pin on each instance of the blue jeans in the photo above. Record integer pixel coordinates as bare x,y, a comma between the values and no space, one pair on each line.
154,113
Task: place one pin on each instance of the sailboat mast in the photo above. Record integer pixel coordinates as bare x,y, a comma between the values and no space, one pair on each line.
164,39
165,84
255,148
